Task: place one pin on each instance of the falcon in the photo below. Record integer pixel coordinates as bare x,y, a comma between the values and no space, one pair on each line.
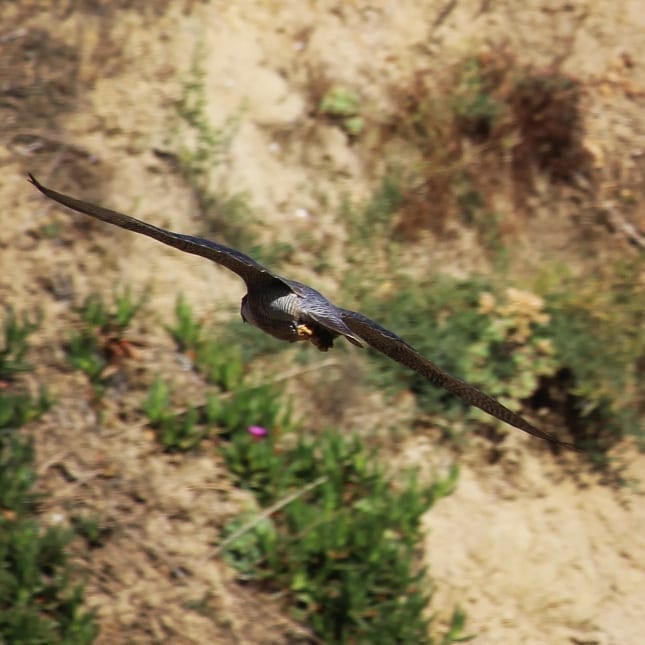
292,311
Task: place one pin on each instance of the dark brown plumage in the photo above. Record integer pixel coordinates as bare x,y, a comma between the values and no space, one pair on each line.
292,311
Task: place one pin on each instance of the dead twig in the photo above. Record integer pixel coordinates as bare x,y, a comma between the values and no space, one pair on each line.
619,223
266,513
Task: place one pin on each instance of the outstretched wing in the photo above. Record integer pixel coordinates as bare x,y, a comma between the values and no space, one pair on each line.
247,268
398,350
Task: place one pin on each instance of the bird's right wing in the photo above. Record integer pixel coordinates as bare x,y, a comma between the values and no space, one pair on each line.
245,266
398,350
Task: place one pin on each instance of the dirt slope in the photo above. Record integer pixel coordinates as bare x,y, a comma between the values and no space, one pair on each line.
533,556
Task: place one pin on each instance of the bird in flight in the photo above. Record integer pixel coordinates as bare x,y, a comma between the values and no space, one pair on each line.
292,311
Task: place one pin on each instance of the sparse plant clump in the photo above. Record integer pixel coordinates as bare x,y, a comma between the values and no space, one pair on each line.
235,403
202,149
207,145
547,112
475,103
487,110
597,328
38,603
344,106
99,345
575,352
91,529
473,212
14,349
174,432
219,361
341,538
341,542
17,405
423,120
370,223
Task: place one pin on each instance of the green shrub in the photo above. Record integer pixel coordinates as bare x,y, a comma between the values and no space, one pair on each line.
476,108
18,408
229,412
254,405
584,339
218,360
598,331
14,348
344,546
175,432
99,341
344,106
38,601
442,320
337,537
17,405
234,405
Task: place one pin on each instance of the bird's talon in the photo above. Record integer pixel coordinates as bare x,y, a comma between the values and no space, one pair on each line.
304,331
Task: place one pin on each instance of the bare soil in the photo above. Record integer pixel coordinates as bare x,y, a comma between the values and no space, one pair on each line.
531,553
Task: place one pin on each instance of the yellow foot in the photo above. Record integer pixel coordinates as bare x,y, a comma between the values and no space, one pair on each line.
304,331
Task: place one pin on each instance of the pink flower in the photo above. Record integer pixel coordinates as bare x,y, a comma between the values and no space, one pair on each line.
257,431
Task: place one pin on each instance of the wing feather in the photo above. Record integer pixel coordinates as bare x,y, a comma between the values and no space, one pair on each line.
398,350
320,310
246,267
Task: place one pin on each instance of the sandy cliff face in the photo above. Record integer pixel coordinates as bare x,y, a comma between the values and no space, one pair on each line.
531,555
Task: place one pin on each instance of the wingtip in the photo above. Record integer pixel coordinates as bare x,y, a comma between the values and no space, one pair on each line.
570,446
556,443
43,189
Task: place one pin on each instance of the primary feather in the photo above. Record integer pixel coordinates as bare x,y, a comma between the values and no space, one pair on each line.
402,352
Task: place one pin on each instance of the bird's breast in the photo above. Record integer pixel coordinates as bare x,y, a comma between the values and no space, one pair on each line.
275,312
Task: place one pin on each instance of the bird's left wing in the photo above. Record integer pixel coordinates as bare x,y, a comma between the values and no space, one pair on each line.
246,267
398,350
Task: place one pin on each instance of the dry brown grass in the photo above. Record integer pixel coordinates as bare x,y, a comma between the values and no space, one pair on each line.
494,121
